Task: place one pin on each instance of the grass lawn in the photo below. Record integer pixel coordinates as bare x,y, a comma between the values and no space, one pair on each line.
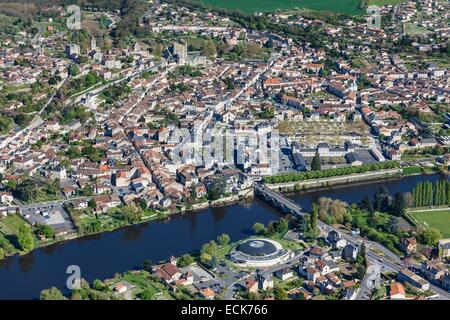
414,29
288,244
439,219
143,281
9,229
385,2
11,224
249,6
222,251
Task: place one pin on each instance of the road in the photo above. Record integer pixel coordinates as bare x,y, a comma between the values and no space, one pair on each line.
37,120
374,251
94,91
388,260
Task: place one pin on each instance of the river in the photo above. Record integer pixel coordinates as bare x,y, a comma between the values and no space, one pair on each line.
100,256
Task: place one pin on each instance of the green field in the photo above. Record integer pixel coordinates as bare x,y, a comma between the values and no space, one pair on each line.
438,219
385,2
249,6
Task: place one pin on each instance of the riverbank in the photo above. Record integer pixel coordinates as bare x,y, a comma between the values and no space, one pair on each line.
325,183
312,185
160,216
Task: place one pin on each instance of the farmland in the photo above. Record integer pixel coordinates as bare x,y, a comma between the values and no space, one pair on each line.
349,7
438,219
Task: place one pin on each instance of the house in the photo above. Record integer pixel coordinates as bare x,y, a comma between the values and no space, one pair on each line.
334,279
251,286
186,279
444,248
207,294
169,272
349,284
69,191
58,173
106,202
300,294
6,210
324,285
406,275
350,252
312,274
316,252
408,245
79,204
101,188
284,273
433,270
322,267
265,282
353,159
336,255
336,240
445,282
349,294
121,288
6,197
396,291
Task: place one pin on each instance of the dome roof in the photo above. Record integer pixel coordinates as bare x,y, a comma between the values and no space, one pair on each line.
257,247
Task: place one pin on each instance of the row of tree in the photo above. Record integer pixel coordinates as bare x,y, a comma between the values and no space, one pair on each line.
431,193
315,174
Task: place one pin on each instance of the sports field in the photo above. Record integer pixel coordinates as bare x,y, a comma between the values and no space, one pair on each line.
438,219
249,6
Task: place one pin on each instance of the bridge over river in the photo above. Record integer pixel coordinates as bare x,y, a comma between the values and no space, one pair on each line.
277,200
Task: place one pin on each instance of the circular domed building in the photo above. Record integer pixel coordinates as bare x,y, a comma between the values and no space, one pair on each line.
259,253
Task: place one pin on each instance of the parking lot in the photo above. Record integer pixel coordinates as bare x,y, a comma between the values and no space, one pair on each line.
52,214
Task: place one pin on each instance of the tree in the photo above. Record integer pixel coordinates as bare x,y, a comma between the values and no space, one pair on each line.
209,49
25,239
97,284
207,252
132,213
223,239
259,228
315,164
381,199
282,226
314,216
280,293
147,294
73,70
143,204
52,294
430,236
217,187
214,262
361,258
148,265
366,204
269,44
399,206
46,231
92,204
185,260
